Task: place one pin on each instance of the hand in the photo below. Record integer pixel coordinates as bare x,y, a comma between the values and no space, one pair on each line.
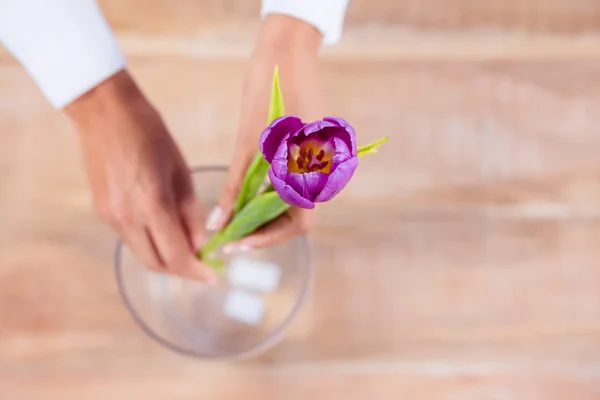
294,46
140,182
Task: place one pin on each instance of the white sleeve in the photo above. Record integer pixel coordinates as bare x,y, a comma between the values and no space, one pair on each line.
66,46
325,15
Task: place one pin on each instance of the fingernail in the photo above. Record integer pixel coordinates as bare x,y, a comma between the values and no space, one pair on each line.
214,218
230,248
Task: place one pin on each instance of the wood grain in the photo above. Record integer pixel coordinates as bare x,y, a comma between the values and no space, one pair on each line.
193,383
408,302
460,263
184,17
464,134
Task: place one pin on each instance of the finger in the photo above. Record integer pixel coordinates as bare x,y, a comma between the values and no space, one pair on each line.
135,236
293,223
192,218
221,213
191,213
275,232
139,242
168,233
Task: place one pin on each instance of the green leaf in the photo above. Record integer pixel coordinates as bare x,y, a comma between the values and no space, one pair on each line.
255,176
257,171
371,147
259,211
276,107
213,243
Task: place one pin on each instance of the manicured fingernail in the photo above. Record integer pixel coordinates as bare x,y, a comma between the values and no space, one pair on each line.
214,218
230,248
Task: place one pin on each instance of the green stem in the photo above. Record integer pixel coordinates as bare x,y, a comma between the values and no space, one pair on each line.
206,253
216,264
213,243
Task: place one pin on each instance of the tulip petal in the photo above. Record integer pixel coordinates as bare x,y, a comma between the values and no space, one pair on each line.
338,179
350,134
274,134
317,126
279,163
287,193
308,184
342,152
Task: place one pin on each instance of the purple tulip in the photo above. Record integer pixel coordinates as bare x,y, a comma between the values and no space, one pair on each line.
310,163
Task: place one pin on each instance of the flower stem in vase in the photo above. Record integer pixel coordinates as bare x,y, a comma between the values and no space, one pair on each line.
206,254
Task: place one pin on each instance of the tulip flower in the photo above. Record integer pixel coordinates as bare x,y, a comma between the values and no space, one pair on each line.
307,163
310,162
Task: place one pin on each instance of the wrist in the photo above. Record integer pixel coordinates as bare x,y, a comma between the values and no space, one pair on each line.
111,95
293,45
288,35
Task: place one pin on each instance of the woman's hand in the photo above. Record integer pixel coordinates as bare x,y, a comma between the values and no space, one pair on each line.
294,46
140,181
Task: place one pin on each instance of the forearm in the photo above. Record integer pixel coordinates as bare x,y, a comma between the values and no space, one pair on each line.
291,35
294,46
117,94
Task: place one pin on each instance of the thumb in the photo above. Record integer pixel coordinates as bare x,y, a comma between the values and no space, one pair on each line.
221,213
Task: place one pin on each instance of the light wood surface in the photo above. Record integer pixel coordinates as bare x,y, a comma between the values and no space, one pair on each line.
460,263
194,16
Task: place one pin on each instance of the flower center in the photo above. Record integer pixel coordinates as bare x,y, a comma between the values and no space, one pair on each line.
309,156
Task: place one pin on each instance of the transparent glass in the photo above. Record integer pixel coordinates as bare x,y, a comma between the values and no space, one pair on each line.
191,318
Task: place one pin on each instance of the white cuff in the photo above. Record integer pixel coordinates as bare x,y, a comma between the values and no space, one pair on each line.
325,15
66,46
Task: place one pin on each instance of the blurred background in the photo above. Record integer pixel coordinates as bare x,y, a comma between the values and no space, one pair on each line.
462,262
